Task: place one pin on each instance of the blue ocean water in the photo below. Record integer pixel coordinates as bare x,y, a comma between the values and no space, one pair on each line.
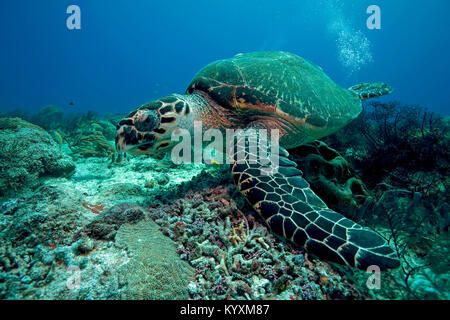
130,52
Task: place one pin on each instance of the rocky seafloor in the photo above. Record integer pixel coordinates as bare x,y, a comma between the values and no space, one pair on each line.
86,225
114,237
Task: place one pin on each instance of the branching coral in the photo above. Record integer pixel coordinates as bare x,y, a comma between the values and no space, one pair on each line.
240,233
234,255
402,154
391,136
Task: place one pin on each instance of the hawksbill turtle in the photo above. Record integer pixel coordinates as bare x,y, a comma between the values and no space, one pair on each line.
271,90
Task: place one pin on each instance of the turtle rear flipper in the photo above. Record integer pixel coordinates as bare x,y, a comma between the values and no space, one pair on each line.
292,210
371,90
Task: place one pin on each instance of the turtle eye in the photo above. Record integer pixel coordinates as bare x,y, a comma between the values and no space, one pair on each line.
146,120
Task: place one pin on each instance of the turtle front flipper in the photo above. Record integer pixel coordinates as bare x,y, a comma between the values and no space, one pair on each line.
293,211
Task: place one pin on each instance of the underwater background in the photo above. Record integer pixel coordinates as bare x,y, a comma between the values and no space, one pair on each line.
125,53
80,221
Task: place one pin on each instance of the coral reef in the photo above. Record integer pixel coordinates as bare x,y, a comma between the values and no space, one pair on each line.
16,124
78,221
389,138
28,153
58,241
91,145
107,128
235,256
402,153
49,117
36,241
49,216
155,270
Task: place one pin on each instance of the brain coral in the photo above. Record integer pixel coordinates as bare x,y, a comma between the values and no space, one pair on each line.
155,270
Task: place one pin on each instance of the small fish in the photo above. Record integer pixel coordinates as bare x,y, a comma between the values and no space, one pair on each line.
60,138
96,124
71,103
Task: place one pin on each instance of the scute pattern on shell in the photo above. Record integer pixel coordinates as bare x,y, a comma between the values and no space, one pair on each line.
278,82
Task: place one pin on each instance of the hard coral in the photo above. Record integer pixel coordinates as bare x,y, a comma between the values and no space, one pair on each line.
155,270
234,254
28,153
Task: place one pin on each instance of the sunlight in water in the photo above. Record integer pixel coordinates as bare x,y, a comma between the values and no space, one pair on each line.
353,50
353,47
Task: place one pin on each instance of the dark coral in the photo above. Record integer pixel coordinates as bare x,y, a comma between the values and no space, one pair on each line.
402,153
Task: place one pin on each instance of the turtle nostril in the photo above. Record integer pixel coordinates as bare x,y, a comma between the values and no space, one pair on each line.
146,120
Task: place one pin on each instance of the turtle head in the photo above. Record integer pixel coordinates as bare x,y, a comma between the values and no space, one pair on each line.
148,129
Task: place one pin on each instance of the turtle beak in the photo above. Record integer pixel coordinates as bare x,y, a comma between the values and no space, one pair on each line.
134,133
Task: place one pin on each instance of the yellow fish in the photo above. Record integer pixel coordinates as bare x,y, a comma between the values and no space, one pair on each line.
60,138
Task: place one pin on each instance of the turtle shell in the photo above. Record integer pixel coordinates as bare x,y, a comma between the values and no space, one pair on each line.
281,83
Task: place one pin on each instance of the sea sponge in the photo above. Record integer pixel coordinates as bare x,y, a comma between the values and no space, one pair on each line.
332,178
155,270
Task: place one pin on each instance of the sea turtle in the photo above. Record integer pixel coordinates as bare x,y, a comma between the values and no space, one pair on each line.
270,90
